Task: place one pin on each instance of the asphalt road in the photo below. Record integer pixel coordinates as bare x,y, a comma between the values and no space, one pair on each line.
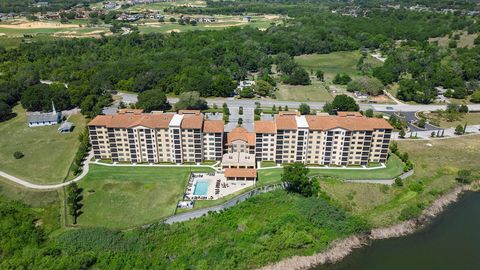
250,103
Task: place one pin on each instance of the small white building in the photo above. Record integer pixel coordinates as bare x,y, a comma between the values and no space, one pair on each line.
39,119
243,84
247,18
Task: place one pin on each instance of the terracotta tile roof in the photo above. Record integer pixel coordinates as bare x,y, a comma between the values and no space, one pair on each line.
345,114
265,126
192,121
288,113
350,123
134,111
213,126
235,172
132,120
240,133
286,122
197,112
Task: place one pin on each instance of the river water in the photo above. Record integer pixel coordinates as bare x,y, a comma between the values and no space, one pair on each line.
450,242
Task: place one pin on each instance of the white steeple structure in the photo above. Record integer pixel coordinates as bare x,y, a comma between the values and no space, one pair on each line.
53,108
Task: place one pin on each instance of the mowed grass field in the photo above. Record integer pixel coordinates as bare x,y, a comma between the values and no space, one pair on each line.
436,165
333,63
469,118
330,64
122,197
316,92
393,169
48,154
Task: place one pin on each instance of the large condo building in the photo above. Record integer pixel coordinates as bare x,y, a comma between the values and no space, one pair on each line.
346,139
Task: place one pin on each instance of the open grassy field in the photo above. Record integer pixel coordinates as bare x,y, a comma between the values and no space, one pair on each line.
333,63
48,154
393,169
436,164
314,92
121,197
469,118
465,40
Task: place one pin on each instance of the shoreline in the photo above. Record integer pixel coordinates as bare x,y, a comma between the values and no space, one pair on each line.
341,248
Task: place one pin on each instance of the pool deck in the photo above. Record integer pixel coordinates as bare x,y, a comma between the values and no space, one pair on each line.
218,186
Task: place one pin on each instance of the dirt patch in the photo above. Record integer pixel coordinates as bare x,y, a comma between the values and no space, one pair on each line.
380,99
272,17
37,25
224,25
73,34
174,30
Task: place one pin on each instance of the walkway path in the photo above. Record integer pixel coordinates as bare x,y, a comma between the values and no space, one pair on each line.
448,133
86,167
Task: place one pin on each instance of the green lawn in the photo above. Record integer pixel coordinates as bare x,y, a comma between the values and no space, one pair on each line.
316,92
333,63
121,197
393,169
436,164
48,154
469,118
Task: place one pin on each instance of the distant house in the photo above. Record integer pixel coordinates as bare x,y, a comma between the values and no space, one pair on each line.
247,18
65,127
360,95
39,119
246,83
42,4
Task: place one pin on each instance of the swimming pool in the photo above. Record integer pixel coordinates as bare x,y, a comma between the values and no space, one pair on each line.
201,188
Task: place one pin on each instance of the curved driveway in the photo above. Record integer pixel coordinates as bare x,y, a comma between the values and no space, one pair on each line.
86,167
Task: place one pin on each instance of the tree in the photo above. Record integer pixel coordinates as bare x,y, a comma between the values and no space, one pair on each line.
153,100
394,147
263,88
369,113
172,19
398,182
191,101
296,177
223,85
320,75
452,44
342,78
5,111
464,176
402,133
304,109
368,85
299,76
459,130
341,103
18,155
421,123
463,108
240,121
475,98
74,201
226,110
240,110
247,92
